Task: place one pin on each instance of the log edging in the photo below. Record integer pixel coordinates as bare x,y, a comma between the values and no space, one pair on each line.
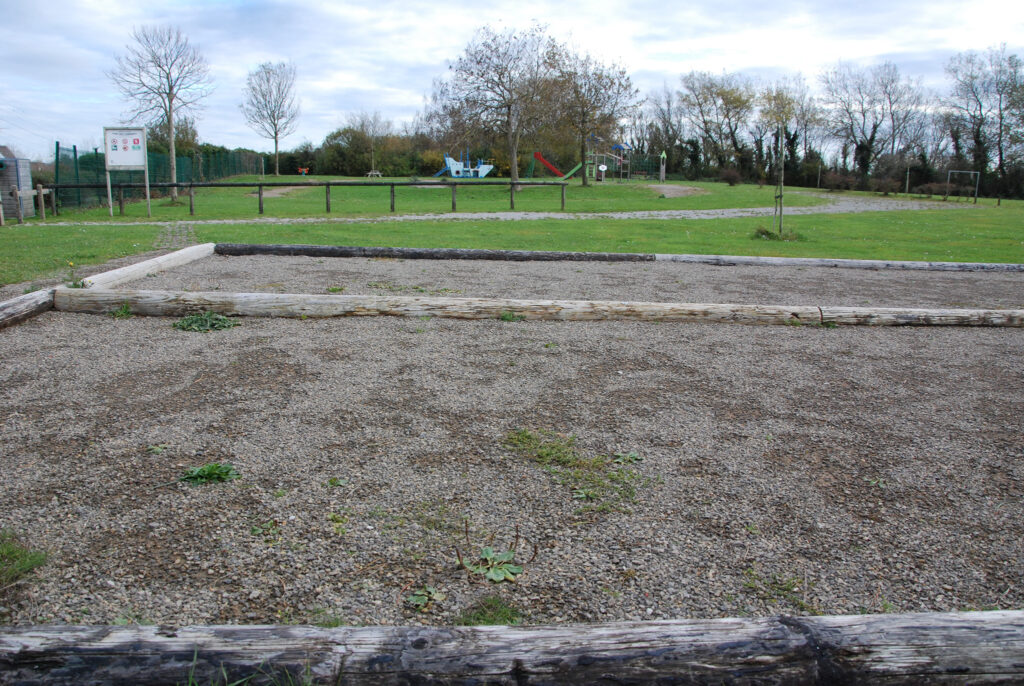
302,305
17,310
969,647
242,249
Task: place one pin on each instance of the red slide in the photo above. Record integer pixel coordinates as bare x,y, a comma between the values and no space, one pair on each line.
554,170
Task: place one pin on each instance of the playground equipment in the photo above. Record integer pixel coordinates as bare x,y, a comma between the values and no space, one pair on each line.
463,169
616,162
552,168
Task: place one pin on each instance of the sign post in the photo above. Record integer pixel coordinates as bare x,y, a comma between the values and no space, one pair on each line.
661,167
124,149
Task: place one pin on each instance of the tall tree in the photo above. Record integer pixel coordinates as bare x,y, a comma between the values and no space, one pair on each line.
501,85
719,107
270,107
164,75
592,96
871,110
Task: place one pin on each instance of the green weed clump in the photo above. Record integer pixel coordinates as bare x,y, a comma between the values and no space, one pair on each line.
489,610
204,322
16,560
604,483
214,472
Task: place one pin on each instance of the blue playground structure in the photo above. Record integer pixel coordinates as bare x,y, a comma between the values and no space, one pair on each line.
463,169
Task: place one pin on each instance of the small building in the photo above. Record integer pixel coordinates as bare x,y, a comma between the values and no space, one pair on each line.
15,174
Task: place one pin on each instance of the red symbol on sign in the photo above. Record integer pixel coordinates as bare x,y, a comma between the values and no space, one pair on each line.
135,141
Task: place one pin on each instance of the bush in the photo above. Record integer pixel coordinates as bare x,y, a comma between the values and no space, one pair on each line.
835,181
884,186
730,176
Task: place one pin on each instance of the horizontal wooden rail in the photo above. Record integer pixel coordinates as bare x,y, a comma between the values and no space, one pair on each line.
25,306
176,303
948,648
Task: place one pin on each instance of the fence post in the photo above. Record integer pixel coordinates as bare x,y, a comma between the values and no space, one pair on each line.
511,196
42,201
120,199
392,197
53,201
261,198
192,201
328,194
563,197
453,196
17,201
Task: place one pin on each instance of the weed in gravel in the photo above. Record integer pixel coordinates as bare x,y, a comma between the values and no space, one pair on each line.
214,472
492,565
550,345
510,316
335,482
204,322
280,493
489,610
339,523
123,312
16,560
776,588
604,483
268,528
335,289
878,482
423,599
157,448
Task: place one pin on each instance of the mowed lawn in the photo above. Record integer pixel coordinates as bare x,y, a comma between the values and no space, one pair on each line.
950,232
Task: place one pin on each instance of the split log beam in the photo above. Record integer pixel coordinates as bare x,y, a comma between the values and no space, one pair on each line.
239,249
948,648
176,303
25,306
156,264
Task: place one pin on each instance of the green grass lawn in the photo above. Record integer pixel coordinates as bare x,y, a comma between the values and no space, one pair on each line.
374,201
985,233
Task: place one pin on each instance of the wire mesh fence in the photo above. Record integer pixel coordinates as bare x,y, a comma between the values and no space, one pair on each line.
75,166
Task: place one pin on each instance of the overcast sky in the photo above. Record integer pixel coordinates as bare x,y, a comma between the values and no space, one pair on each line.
382,55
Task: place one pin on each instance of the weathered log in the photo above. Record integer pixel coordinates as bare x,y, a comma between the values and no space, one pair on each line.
238,249
151,266
177,303
733,260
25,306
541,255
973,647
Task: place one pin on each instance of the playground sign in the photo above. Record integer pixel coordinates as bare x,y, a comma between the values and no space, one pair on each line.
124,149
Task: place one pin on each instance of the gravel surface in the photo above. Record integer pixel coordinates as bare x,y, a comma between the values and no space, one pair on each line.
783,469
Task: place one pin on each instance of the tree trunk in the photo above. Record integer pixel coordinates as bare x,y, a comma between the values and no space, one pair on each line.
173,153
277,161
583,155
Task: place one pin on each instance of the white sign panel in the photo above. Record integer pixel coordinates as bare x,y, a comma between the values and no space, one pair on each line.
124,148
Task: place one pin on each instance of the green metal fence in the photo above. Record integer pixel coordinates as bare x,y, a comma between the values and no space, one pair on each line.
87,166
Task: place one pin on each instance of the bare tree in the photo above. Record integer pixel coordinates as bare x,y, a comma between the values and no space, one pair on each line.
500,86
270,107
375,128
720,108
164,75
593,97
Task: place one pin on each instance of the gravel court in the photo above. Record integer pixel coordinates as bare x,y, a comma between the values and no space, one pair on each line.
792,469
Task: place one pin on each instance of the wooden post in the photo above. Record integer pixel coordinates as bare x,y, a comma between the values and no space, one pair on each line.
511,196
17,202
327,195
1,213
192,201
42,201
392,197
53,201
120,200
563,198
453,196
261,198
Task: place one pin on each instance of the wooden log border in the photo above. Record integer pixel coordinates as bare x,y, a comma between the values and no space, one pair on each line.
239,249
178,303
960,648
29,305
